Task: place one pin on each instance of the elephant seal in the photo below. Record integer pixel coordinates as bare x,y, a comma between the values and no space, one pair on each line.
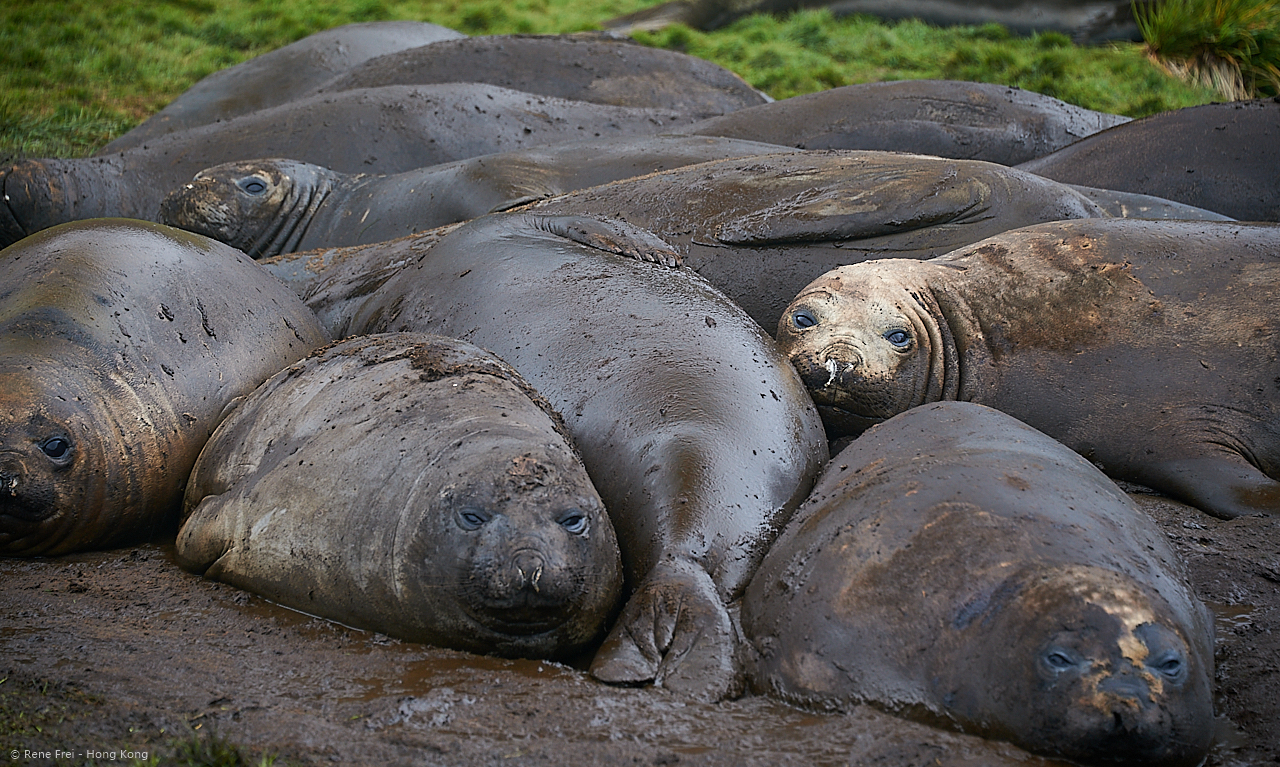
1151,347
267,207
372,130
1133,205
944,118
280,76
120,344
699,437
760,228
478,528
1221,157
585,66
958,567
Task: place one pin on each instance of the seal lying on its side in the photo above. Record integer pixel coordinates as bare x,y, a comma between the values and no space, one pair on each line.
943,118
958,567
412,485
267,207
372,130
760,228
1151,347
120,344
280,76
695,430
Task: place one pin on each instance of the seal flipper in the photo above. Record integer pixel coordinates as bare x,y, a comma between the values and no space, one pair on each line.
1218,486
611,236
10,230
676,632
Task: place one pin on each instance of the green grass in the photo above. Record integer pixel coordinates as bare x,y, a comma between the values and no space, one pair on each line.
1230,45
75,74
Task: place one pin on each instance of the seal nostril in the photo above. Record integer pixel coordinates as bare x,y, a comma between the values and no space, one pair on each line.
528,566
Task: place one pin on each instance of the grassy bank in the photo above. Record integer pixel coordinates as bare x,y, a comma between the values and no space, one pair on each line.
73,75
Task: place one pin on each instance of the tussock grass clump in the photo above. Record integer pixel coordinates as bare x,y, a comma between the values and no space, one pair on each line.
1232,46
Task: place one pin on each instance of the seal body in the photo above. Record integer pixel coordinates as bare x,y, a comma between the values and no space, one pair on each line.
1151,347
943,118
267,207
280,76
697,434
370,130
760,228
1221,157
412,485
955,566
120,344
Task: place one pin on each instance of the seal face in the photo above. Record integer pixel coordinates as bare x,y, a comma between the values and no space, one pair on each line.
955,566
413,485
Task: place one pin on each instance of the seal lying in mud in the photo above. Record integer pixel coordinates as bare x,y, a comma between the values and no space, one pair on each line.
1151,347
943,118
697,434
120,344
760,228
266,207
958,567
412,485
280,76
371,130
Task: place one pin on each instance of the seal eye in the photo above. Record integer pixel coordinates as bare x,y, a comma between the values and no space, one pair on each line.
899,338
1059,661
804,319
1170,665
56,448
574,521
471,518
252,185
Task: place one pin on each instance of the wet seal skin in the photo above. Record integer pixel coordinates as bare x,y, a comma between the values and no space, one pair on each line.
121,343
760,228
412,485
1150,347
957,567
383,130
699,437
271,206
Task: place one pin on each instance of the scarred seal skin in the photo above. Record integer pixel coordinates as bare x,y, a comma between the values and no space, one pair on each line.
271,206
412,485
1150,347
697,434
957,567
121,342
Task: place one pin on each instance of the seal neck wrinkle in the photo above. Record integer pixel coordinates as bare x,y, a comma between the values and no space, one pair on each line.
965,357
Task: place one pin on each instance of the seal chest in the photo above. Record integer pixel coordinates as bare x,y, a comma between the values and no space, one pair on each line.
957,567
412,485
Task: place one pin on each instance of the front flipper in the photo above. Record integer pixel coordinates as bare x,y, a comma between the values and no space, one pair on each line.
1222,487
611,236
675,632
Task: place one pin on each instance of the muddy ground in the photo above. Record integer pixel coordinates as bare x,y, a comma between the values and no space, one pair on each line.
121,651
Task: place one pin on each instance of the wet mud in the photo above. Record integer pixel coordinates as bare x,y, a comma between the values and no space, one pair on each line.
123,651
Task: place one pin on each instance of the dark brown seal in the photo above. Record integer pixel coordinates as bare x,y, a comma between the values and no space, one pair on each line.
955,566
120,344
698,435
412,485
1151,347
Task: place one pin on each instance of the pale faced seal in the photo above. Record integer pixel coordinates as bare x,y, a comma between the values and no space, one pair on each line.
585,66
280,76
478,528
1221,157
371,130
266,207
944,118
958,567
120,344
698,435
1151,347
761,228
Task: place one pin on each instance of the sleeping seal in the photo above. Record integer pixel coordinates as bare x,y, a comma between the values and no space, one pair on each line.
957,567
412,485
120,344
695,430
1151,347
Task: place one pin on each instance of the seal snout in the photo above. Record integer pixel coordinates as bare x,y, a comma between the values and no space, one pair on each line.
527,567
828,368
